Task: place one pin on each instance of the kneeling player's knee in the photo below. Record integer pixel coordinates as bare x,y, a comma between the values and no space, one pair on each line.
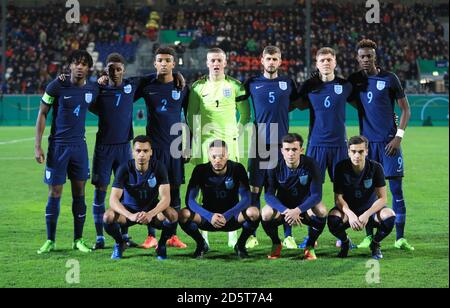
387,213
334,222
320,211
267,213
171,215
184,215
252,213
108,217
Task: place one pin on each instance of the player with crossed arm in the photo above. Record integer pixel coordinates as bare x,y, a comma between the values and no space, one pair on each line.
67,150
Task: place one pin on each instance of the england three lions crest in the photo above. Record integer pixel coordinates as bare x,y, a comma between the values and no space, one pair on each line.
88,97
338,89
227,92
176,95
283,85
381,85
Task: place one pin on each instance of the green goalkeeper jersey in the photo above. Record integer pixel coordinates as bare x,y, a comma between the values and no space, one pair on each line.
214,103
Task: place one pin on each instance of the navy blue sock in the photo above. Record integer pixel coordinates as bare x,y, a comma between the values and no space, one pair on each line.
191,229
79,216
315,229
98,209
248,228
255,200
151,231
287,230
271,229
384,229
398,205
114,230
51,216
337,227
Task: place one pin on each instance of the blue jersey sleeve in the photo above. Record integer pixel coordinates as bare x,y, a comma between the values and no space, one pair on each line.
121,176
378,178
315,195
397,87
192,193
244,192
271,189
51,92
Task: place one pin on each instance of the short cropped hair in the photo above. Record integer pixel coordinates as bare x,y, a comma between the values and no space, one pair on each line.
326,51
115,57
218,143
165,51
291,138
271,50
216,50
366,43
142,139
358,140
79,56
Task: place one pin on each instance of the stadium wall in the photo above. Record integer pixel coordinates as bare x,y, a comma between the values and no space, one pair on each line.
22,110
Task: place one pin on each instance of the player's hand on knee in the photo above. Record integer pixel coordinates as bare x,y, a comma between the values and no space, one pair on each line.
134,217
363,220
218,221
354,222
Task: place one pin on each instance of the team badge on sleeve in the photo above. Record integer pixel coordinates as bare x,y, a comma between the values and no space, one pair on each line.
381,84
176,95
283,85
303,179
88,97
227,92
338,89
152,181
127,89
229,183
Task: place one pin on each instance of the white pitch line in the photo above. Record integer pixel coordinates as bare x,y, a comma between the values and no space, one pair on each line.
30,139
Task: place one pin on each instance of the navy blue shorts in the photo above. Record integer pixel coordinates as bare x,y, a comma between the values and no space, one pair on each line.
107,158
257,167
66,160
327,158
392,165
174,166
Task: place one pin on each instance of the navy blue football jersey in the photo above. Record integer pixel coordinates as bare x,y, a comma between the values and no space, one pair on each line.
140,191
327,101
271,99
376,96
70,105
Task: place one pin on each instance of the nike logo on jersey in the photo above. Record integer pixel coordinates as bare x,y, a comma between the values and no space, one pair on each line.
258,87
152,93
67,97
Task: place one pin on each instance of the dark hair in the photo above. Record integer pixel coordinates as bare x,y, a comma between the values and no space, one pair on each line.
80,56
142,139
216,50
358,140
366,43
271,50
115,57
165,51
326,51
291,138
218,143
